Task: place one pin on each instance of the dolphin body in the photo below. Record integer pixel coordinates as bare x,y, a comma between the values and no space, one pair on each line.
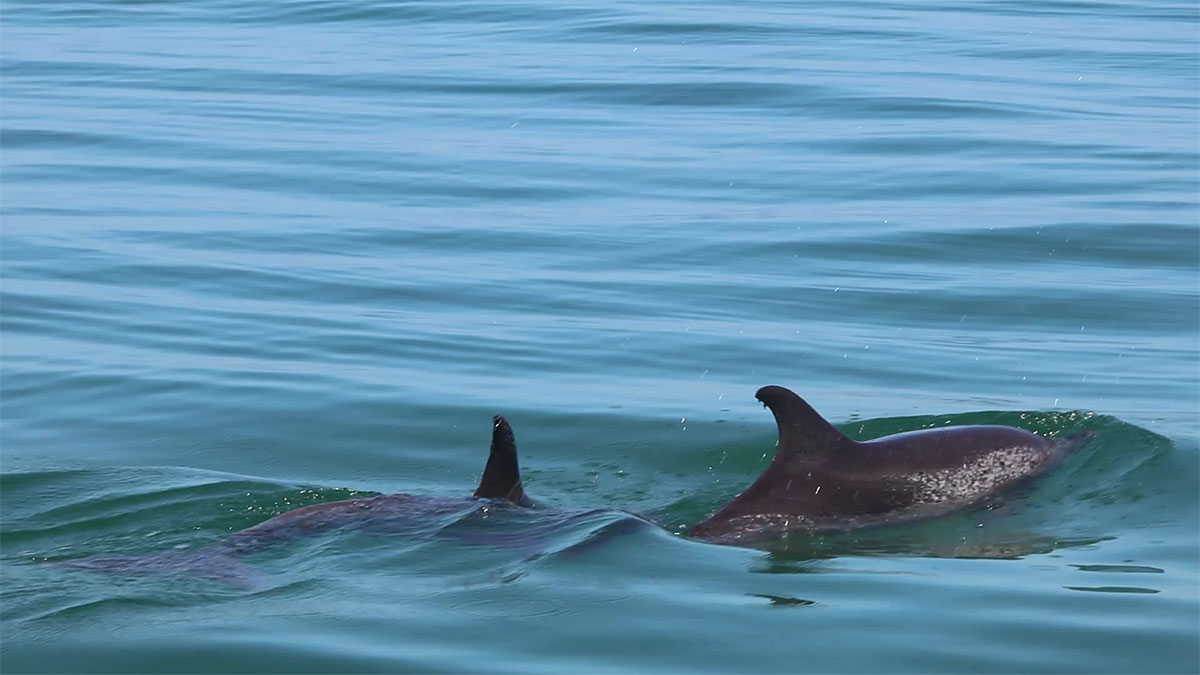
501,482
499,488
822,480
819,480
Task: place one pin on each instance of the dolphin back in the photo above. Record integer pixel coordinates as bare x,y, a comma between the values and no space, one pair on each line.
807,441
820,479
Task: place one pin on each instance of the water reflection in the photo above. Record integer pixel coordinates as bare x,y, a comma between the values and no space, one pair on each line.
1112,589
799,555
783,600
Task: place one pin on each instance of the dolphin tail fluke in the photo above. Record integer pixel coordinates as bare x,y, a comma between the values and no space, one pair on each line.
502,477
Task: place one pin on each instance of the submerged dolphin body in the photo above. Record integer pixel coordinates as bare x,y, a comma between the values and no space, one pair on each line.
499,487
822,480
501,481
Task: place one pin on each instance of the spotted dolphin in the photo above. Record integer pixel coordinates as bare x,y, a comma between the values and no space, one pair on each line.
822,480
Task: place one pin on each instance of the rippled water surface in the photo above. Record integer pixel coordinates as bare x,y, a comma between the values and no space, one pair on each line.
257,256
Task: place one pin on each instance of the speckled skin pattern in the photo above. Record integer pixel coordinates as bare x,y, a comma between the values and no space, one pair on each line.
822,480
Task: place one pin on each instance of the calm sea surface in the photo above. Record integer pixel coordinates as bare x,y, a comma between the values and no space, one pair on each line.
262,255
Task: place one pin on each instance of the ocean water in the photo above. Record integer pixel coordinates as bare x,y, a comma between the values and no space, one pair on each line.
255,256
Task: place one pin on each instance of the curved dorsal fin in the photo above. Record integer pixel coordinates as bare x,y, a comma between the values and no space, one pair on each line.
803,433
806,444
502,477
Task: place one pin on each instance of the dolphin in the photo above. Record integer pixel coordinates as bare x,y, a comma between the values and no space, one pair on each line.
822,480
501,482
500,487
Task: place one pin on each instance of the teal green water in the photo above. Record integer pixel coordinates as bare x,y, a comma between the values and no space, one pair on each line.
257,256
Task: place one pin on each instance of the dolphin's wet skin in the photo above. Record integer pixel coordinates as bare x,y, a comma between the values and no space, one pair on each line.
822,480
819,480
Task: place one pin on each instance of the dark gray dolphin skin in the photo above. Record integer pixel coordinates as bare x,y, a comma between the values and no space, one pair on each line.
822,480
501,481
502,476
500,486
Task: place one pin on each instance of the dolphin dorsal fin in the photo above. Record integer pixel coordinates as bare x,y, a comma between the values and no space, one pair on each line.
803,433
502,477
